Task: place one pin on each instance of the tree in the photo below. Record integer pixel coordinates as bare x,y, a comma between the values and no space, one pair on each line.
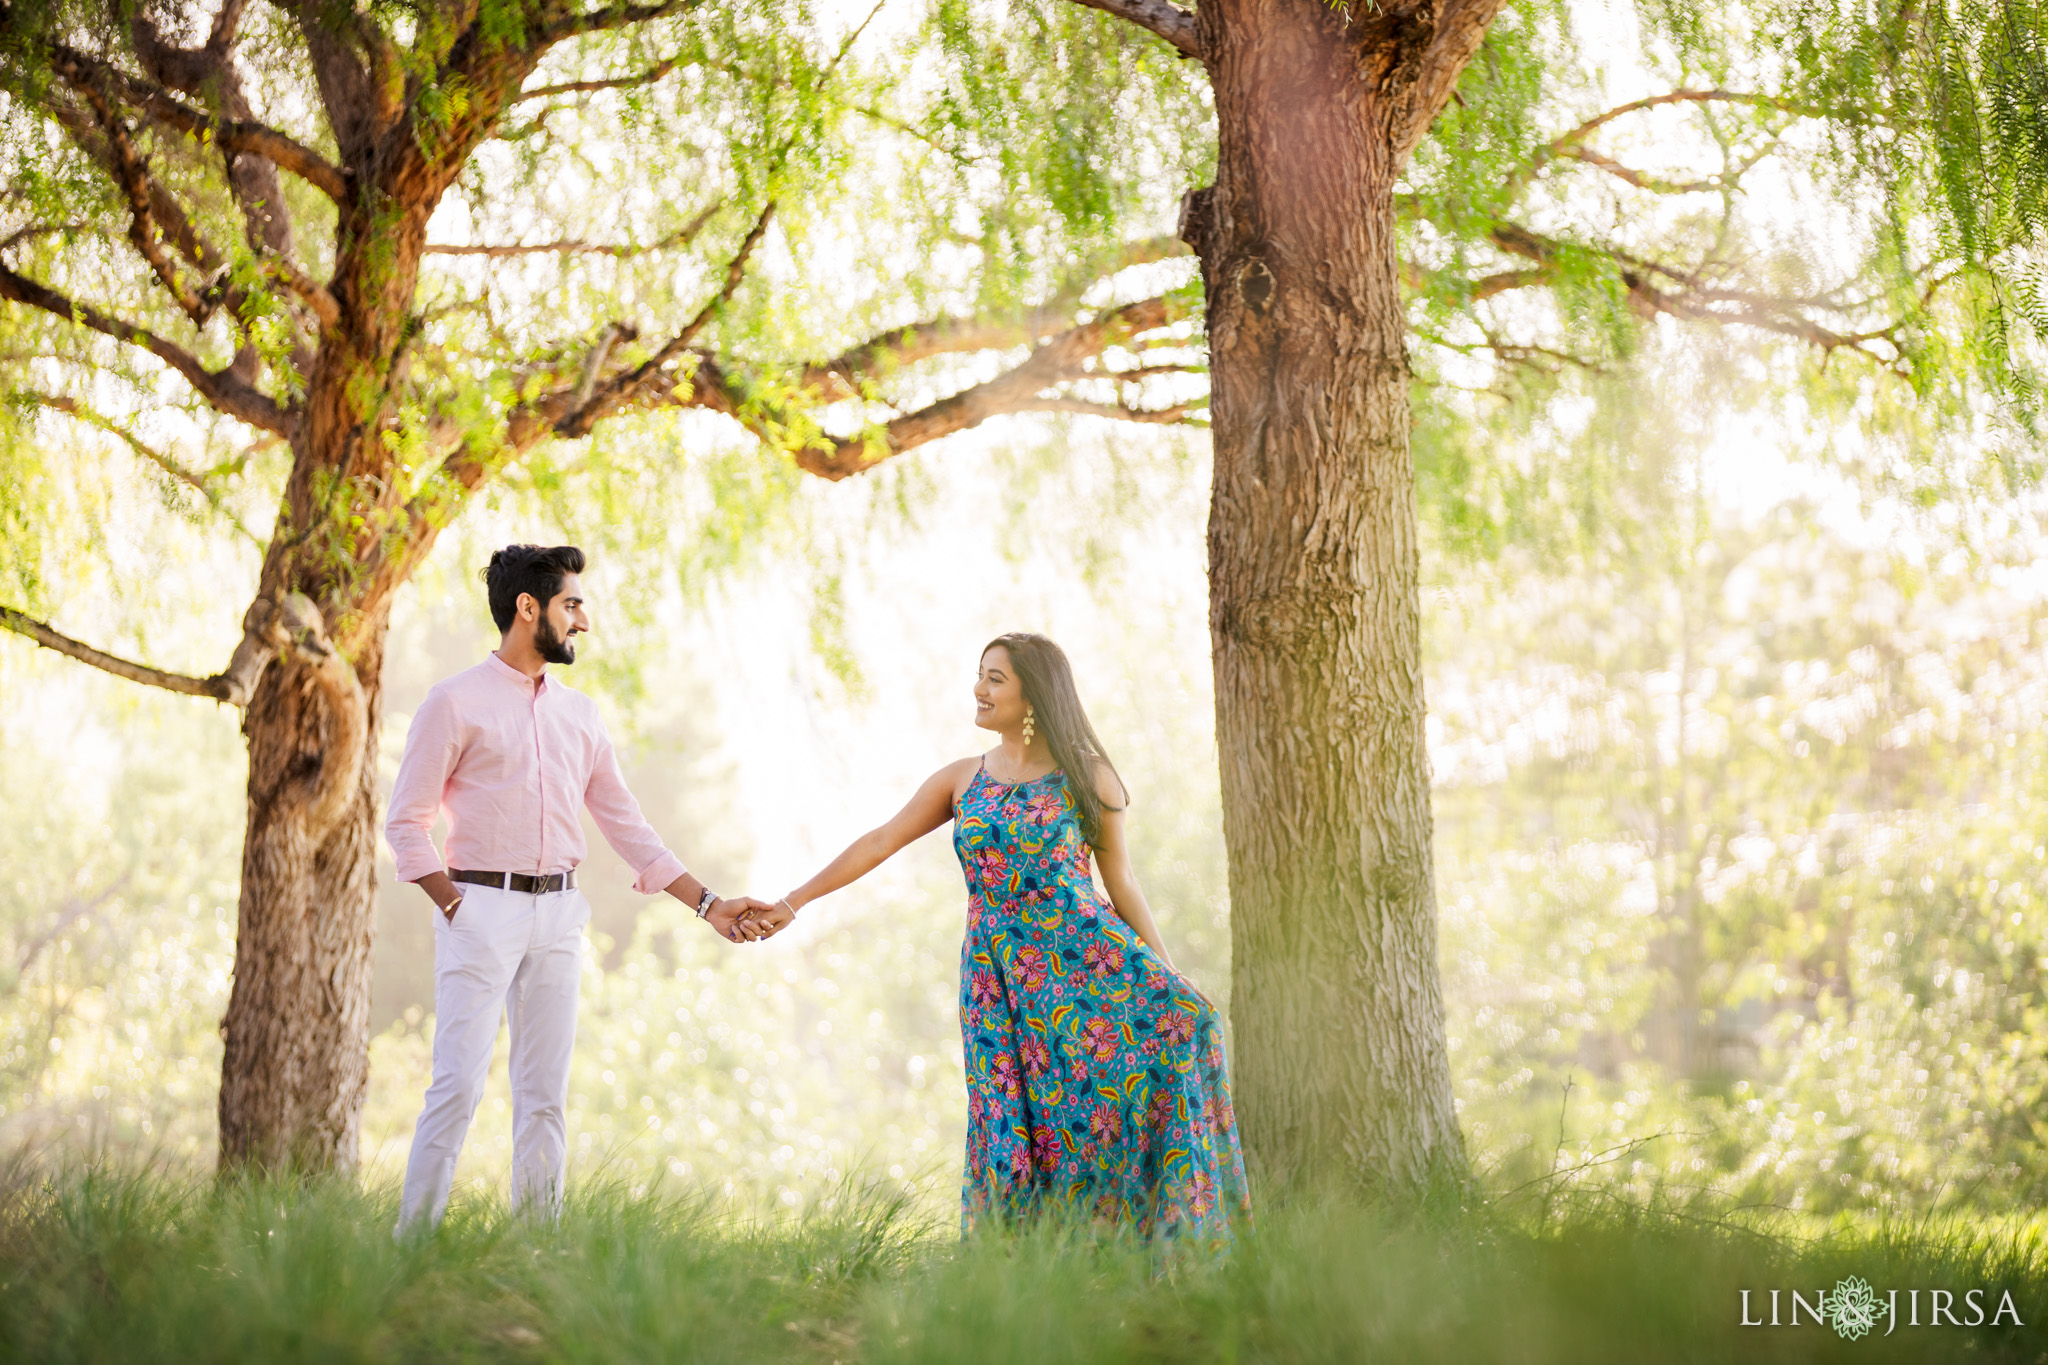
243,198
1321,113
166,222
1733,803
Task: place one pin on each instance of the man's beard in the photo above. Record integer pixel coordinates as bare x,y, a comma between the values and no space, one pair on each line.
551,646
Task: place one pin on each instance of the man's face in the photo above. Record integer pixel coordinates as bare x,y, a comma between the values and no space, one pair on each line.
554,634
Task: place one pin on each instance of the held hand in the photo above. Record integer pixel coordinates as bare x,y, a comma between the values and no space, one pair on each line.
724,915
772,918
736,918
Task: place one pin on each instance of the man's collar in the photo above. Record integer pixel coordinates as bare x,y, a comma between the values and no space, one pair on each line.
507,671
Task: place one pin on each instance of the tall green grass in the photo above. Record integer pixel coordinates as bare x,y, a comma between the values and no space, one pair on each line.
104,1265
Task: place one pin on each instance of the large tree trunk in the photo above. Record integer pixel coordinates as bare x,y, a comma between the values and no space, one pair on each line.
297,1026
296,1065
1341,1070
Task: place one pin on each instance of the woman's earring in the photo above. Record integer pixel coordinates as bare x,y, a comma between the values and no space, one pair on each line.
1029,729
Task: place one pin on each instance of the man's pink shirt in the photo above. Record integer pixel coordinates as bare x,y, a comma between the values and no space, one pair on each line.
509,759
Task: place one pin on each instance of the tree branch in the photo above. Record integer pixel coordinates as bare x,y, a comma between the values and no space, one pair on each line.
1158,17
215,687
269,628
211,73
1761,312
1600,162
840,376
704,384
1503,281
308,290
138,187
682,236
577,400
1570,143
1120,412
614,17
647,77
167,214
228,394
1697,300
359,99
80,71
79,411
187,68
1021,389
34,230
623,389
164,208
566,410
1558,144
1459,28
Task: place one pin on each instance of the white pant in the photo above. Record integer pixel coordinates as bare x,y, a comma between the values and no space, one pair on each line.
504,951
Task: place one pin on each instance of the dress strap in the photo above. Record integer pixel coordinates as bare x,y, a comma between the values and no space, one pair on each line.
980,771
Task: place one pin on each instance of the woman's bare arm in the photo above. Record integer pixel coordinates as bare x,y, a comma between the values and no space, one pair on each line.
1113,860
931,807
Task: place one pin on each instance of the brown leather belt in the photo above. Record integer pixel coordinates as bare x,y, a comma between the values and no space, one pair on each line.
524,883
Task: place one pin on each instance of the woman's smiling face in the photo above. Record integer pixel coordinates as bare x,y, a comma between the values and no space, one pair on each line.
998,692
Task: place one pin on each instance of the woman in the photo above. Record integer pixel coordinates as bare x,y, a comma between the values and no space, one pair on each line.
1095,1071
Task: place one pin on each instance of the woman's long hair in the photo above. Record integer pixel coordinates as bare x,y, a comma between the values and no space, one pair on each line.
1055,703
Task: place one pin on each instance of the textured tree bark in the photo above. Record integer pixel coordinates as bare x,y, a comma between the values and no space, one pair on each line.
296,1064
1341,1070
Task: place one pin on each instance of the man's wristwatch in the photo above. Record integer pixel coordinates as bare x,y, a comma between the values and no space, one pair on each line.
704,902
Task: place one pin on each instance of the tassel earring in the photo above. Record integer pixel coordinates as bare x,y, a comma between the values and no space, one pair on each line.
1029,729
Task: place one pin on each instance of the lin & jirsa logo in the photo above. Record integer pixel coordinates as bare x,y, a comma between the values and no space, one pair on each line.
1853,1308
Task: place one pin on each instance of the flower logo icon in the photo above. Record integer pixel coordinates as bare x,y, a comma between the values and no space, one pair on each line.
1852,1308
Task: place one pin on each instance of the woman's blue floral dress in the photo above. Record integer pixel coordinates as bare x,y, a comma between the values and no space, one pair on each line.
1095,1076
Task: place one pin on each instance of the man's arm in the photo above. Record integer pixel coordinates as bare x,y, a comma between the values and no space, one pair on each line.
432,744
726,914
618,818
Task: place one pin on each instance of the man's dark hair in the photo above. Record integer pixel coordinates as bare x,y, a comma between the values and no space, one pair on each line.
535,569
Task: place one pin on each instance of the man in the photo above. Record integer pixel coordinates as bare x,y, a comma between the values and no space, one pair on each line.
510,752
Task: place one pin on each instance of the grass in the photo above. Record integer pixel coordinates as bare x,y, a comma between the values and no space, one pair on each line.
102,1264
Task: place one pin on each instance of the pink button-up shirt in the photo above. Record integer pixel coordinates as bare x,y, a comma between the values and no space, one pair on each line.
510,758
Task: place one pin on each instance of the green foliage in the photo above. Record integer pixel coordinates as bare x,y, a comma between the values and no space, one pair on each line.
1939,111
1064,132
106,1264
1862,210
117,932
1735,854
1848,193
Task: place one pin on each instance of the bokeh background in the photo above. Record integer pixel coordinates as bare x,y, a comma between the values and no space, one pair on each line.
1738,772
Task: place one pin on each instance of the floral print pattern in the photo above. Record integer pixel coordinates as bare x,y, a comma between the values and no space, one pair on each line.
1095,1076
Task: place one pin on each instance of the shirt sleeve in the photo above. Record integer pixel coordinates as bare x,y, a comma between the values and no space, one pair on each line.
432,744
619,819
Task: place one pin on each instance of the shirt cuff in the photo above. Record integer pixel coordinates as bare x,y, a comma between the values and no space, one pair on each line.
659,873
415,864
